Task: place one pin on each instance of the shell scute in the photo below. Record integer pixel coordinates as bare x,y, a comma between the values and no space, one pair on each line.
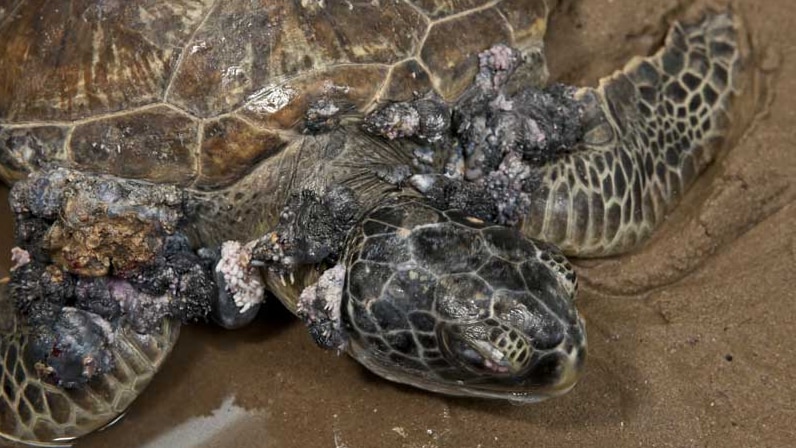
231,148
451,55
157,144
240,49
91,58
447,248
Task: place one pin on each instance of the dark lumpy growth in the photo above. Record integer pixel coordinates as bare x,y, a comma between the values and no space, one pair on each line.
129,247
93,294
324,115
73,348
177,284
558,118
40,291
73,310
312,228
185,275
540,124
426,120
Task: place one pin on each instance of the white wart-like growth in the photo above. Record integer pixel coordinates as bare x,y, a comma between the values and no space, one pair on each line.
319,308
242,281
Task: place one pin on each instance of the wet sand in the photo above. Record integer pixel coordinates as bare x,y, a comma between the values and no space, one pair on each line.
691,340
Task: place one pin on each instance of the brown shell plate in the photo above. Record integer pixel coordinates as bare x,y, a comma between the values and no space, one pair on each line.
197,92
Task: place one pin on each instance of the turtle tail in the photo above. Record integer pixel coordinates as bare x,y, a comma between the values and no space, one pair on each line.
34,412
649,131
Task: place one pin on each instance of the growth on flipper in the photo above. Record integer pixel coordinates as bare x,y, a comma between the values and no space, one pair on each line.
92,308
649,131
34,411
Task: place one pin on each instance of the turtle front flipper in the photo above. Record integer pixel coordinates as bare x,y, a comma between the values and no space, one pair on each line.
649,131
36,412
102,274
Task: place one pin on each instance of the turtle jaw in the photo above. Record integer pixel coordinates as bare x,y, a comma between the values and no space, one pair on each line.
499,386
483,369
505,365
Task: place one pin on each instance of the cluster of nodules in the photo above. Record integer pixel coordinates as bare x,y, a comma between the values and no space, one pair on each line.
312,229
241,280
496,135
319,306
325,114
73,315
425,119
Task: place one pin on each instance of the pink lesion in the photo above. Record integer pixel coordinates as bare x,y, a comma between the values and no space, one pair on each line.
20,257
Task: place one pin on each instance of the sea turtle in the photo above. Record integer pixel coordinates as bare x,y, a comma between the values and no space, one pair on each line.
398,173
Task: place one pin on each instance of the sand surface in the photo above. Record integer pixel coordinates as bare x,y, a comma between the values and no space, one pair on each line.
691,337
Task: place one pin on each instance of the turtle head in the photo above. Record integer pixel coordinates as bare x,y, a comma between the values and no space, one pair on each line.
449,303
522,352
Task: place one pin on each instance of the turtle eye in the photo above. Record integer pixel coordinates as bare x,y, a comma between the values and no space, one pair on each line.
486,347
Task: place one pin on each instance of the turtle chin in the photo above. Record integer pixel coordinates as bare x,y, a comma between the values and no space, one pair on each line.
478,373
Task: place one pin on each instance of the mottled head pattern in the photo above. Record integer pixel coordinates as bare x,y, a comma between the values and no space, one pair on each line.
450,303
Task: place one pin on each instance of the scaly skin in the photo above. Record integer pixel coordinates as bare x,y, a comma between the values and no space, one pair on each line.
646,139
651,129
